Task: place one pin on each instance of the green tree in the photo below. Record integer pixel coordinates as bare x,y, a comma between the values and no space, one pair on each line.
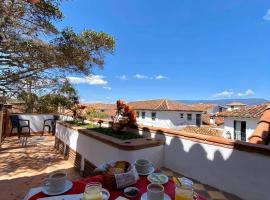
32,47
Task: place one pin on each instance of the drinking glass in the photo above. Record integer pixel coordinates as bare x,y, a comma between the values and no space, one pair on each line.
183,193
93,191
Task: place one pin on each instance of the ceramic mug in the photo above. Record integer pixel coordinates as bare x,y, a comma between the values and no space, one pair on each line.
155,192
56,181
143,165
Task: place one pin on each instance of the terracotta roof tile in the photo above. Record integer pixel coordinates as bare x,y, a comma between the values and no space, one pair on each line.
247,112
261,134
109,109
202,130
99,106
162,105
206,119
204,106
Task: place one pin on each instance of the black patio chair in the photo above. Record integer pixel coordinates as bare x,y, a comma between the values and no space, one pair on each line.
16,123
50,124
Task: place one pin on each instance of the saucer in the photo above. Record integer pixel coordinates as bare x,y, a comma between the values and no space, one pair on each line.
150,171
144,196
68,186
158,178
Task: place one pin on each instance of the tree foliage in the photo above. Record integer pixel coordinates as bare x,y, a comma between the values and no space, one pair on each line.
33,48
65,97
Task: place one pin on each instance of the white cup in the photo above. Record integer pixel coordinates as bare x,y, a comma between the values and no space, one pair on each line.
143,166
56,181
155,192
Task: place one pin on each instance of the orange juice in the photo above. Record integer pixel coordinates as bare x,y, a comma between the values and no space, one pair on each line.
183,194
93,192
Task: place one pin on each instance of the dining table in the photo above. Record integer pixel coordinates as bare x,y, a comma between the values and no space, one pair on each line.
79,186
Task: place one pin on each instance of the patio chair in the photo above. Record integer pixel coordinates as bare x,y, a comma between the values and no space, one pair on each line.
16,123
50,124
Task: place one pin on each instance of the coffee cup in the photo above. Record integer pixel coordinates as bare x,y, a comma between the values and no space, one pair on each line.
56,181
155,192
143,166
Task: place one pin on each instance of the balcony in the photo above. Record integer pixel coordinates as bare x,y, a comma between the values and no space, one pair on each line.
220,168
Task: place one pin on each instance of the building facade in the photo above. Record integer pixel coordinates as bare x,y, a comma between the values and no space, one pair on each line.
239,124
166,114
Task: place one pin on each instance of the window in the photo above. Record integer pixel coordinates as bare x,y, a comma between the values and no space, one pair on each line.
153,115
189,117
102,110
143,115
181,115
138,114
240,130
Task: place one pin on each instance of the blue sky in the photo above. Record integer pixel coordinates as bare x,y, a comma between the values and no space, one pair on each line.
177,49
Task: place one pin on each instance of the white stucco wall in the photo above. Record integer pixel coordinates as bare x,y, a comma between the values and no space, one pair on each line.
167,119
98,152
238,172
241,173
37,120
251,124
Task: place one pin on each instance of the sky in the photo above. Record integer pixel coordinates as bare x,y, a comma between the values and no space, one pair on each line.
177,49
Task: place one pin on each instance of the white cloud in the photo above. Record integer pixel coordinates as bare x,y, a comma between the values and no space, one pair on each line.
248,92
123,77
267,16
226,93
91,80
140,76
159,77
107,88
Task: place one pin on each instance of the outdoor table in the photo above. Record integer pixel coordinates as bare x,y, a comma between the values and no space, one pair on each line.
79,185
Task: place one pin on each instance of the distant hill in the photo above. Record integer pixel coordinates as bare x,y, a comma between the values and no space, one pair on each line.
250,101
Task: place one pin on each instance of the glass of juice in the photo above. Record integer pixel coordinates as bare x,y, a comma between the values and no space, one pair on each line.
183,193
93,191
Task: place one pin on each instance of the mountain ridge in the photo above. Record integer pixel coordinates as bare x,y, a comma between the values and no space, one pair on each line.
223,102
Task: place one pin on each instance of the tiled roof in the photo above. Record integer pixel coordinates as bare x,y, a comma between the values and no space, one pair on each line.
101,106
261,134
204,107
202,130
247,112
109,109
218,120
162,105
235,104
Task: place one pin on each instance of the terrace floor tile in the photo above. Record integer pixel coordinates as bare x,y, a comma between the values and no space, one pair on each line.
22,168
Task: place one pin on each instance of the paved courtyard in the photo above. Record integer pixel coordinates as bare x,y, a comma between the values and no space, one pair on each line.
22,168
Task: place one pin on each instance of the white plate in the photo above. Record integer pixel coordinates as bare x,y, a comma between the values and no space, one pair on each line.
144,196
151,170
64,197
68,186
105,196
152,178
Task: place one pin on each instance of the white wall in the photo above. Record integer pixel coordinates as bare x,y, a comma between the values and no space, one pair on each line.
37,120
241,173
238,172
167,119
89,148
251,124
